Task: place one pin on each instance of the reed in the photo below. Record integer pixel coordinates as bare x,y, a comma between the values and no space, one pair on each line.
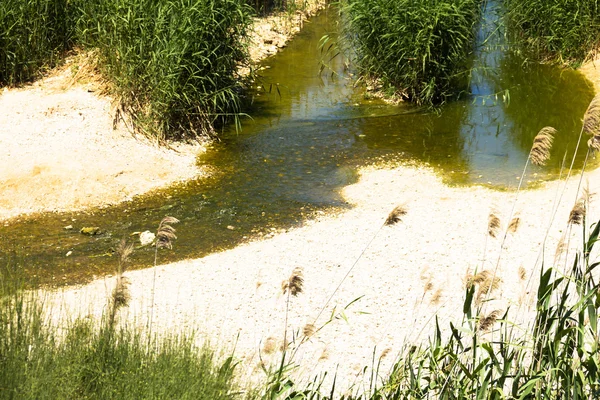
33,34
87,359
417,49
173,64
564,32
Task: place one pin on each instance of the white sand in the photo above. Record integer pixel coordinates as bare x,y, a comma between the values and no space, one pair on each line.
234,298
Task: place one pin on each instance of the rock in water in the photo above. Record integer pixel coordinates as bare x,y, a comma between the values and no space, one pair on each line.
146,238
90,231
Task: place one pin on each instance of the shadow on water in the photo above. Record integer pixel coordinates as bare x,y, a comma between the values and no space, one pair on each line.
308,134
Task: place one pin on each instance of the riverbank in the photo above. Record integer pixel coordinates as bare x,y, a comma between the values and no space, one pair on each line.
61,153
591,70
402,275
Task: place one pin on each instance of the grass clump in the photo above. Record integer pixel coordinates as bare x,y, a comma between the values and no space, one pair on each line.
173,63
562,31
33,34
418,49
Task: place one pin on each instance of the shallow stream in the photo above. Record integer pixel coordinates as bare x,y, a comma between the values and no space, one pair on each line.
310,131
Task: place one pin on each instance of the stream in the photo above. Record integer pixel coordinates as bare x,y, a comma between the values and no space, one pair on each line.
309,132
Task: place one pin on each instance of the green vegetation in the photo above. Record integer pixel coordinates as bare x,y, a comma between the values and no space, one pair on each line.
33,33
98,362
418,49
172,64
563,31
89,359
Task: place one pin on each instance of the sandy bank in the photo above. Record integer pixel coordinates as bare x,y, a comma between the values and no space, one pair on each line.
59,150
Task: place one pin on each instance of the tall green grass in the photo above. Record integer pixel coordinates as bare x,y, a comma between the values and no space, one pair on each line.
563,31
417,48
90,359
173,63
33,33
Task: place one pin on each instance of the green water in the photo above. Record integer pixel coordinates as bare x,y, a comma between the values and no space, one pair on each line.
308,134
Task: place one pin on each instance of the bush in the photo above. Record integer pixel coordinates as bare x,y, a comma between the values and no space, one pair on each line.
419,48
563,31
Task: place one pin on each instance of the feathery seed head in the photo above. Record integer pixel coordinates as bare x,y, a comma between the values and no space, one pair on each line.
486,323
295,282
591,118
396,215
124,250
542,143
560,248
166,233
577,214
309,330
493,224
514,224
120,295
522,273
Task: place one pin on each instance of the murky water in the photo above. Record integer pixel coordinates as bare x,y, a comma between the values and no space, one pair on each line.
308,133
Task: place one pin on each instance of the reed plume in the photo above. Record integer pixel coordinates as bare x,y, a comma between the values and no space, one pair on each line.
493,224
436,296
542,143
486,282
591,118
487,322
120,296
165,236
560,248
477,278
514,225
294,284
577,214
309,330
522,273
396,215
270,345
488,285
166,233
